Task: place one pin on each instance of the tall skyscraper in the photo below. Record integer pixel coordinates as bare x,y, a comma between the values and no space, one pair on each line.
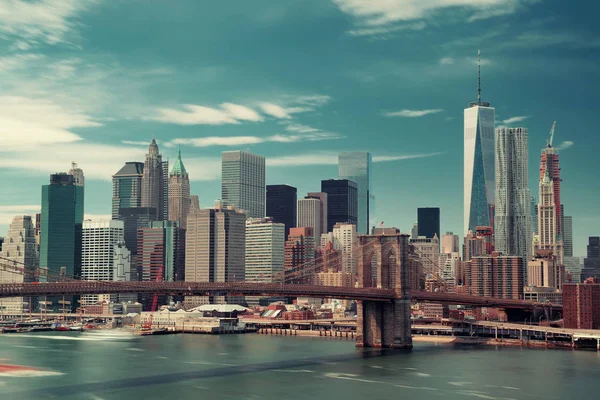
324,219
550,165
450,243
567,235
127,187
534,213
19,245
179,193
194,202
281,205
265,240
342,201
548,225
309,215
356,166
133,219
479,175
428,220
591,264
243,182
215,249
344,240
512,221
155,183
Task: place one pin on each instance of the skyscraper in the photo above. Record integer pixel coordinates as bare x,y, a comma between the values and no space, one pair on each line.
243,182
265,240
19,245
133,219
548,225
549,164
479,175
591,264
428,220
567,235
299,256
342,201
215,249
534,213
356,166
282,205
344,239
495,276
77,173
127,187
512,222
324,219
309,215
155,183
179,193
449,243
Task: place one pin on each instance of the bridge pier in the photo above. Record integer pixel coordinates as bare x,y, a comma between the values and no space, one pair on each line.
384,324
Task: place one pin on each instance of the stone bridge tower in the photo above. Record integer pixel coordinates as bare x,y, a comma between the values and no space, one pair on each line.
383,263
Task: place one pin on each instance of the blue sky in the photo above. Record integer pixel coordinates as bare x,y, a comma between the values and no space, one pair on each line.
297,82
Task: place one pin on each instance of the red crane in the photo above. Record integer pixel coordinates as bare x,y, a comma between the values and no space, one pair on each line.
155,297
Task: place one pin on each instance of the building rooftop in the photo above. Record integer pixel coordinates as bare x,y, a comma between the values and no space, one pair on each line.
178,167
223,308
131,168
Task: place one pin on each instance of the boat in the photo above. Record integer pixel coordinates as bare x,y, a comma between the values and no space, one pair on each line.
62,328
110,334
78,328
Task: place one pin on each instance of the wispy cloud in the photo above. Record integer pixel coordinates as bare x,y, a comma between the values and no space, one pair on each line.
516,119
412,113
330,158
192,114
447,61
400,157
136,142
8,212
277,111
565,145
315,135
386,32
49,21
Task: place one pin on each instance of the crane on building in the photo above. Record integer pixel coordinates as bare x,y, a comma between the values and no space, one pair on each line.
551,134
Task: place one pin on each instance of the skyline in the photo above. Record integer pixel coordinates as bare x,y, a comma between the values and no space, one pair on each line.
100,93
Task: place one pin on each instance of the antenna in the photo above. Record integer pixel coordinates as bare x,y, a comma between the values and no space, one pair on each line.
478,77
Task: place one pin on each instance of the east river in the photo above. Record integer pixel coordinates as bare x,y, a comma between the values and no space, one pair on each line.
252,366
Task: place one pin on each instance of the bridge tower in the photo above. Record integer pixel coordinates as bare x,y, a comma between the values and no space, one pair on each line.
383,263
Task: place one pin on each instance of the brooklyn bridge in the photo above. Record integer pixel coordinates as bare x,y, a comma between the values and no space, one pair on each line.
384,291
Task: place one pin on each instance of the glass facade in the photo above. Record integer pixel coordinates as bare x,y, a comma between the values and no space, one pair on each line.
356,166
127,187
243,182
342,201
281,205
428,222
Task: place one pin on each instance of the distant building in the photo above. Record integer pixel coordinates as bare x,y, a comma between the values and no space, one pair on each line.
478,243
309,215
134,219
127,187
544,270
534,213
243,182
265,241
299,256
591,264
550,170
428,220
549,237
215,250
155,178
328,259
567,235
356,167
345,240
450,243
428,250
450,267
495,276
581,305
342,202
179,193
573,268
281,205
323,209
77,173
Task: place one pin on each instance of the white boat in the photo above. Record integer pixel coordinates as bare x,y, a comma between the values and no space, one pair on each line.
110,334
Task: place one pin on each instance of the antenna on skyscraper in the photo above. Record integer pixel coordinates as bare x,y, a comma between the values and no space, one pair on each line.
478,77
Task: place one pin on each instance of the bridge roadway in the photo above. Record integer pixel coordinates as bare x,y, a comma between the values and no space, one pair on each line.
253,289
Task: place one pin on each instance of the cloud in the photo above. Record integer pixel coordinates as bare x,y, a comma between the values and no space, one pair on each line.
330,158
385,32
313,135
49,21
412,113
300,128
241,113
192,114
565,145
513,120
447,61
136,142
278,111
97,217
8,212
401,157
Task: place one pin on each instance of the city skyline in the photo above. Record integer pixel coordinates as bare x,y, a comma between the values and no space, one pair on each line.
382,119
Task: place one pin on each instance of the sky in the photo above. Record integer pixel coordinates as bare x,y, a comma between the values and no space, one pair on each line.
93,81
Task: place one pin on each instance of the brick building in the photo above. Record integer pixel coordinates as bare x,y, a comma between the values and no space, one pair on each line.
581,305
495,276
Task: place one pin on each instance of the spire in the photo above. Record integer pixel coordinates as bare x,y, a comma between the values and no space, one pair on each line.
153,148
178,168
478,77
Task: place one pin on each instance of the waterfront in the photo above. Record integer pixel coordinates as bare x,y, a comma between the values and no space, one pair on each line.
272,367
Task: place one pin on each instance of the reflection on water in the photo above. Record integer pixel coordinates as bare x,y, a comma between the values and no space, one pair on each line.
266,367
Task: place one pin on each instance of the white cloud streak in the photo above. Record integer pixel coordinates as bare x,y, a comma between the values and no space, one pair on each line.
565,145
412,113
516,119
277,111
192,114
311,135
332,159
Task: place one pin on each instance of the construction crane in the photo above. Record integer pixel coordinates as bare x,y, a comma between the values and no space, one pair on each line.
551,134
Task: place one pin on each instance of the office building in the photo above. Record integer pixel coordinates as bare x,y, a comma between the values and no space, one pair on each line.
127,187
342,205
450,265
450,243
550,167
323,209
549,237
478,243
265,241
512,219
567,235
534,213
581,305
544,270
134,219
428,222
479,167
155,178
19,246
179,193
215,250
428,251
591,264
299,256
495,276
77,173
327,258
414,231
282,205
345,240
309,215
356,167
573,269
243,182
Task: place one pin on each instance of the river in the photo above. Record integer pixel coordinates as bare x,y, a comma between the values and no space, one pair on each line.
266,367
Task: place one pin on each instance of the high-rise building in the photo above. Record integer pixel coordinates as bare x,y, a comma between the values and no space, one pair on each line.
567,235
342,202
323,209
134,219
428,220
356,167
450,243
450,265
127,187
428,251
243,182
345,237
550,166
100,239
591,264
512,220
155,177
309,215
179,193
299,256
495,276
265,241
581,305
479,175
534,213
543,270
548,225
282,205
215,249
414,231
573,269
77,173
478,243
194,202
19,245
